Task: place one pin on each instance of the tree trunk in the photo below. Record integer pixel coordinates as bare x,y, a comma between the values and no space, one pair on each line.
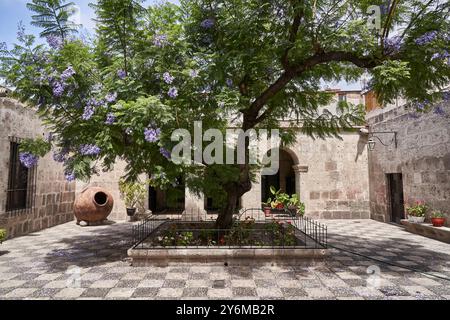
234,192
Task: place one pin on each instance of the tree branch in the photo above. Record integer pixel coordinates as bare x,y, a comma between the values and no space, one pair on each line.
292,34
251,117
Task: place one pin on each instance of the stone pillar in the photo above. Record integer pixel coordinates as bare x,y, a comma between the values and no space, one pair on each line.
252,199
299,188
194,206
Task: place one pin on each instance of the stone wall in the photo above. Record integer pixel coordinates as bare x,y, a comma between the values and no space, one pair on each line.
53,196
331,177
422,156
109,181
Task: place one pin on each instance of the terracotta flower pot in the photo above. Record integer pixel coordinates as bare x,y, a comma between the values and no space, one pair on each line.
267,211
438,222
94,204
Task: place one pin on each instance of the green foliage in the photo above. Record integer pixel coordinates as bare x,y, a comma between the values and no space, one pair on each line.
240,232
38,147
283,234
281,200
118,28
437,214
134,193
252,61
3,235
53,16
418,209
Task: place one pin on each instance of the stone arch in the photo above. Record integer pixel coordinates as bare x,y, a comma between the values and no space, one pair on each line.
286,178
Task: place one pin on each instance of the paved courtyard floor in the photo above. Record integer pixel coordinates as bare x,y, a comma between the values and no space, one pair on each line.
72,262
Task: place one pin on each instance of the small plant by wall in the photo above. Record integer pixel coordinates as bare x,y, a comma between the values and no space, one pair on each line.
3,235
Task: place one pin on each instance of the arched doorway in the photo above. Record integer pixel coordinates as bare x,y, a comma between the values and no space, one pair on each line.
284,179
170,200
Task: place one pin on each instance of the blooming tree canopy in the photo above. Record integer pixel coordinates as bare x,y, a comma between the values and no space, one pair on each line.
151,70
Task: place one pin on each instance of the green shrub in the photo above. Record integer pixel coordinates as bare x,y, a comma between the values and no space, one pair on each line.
3,235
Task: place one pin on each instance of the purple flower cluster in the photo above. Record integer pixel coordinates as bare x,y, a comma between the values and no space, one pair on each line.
28,159
165,153
94,102
439,111
60,156
421,105
89,150
193,73
69,72
160,40
54,42
122,74
446,96
21,32
207,23
441,55
152,134
426,38
393,45
229,83
168,78
49,137
111,97
70,176
88,112
110,118
58,88
173,92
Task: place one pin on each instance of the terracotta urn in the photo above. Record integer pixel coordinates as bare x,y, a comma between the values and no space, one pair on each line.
94,204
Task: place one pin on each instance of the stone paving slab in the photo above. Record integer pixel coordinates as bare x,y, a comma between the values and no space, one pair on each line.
72,262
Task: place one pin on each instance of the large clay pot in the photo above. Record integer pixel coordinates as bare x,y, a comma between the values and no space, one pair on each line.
94,204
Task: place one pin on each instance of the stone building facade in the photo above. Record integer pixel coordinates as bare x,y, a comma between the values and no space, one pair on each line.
417,169
330,176
42,198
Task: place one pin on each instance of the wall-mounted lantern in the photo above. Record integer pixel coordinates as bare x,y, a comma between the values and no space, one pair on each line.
373,135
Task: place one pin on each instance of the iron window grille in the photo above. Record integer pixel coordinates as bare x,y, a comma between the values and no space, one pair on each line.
21,181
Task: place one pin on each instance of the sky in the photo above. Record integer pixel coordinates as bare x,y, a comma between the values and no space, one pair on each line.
14,11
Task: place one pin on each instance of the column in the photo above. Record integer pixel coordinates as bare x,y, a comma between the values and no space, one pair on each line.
252,199
299,190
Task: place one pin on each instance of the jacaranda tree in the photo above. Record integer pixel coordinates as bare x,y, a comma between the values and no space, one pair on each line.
152,70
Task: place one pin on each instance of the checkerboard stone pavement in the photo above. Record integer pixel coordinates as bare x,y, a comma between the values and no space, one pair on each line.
72,262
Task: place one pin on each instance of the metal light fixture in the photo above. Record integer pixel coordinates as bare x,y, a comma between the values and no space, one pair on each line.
371,142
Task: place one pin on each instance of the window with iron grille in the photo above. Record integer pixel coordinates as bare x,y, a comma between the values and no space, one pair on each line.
20,193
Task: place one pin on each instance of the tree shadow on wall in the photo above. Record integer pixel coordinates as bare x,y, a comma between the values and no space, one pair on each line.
362,142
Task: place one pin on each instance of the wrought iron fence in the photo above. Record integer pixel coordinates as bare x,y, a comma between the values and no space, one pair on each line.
195,228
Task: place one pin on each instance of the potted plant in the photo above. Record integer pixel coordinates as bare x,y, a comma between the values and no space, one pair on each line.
437,219
267,207
3,235
133,194
295,206
416,212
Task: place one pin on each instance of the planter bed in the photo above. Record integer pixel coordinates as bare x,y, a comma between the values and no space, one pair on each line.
427,230
176,241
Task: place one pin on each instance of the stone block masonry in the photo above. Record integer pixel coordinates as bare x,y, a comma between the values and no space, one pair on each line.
422,157
54,196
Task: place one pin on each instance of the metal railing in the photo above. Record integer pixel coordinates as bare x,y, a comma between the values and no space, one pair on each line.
195,229
21,190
